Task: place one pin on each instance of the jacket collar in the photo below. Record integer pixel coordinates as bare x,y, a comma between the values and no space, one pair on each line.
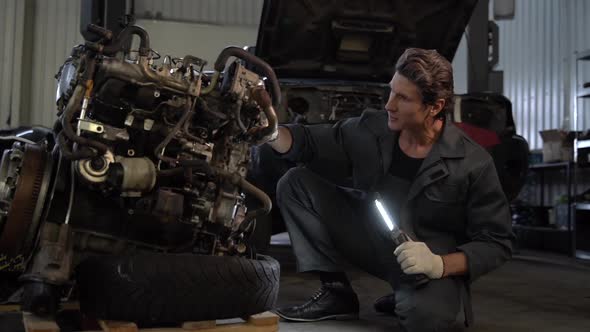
449,144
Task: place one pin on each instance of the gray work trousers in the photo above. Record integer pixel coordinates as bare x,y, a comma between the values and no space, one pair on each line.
329,225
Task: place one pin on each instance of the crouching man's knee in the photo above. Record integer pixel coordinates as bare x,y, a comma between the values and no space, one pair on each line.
292,182
427,310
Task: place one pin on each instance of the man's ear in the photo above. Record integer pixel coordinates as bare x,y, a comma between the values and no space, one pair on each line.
437,107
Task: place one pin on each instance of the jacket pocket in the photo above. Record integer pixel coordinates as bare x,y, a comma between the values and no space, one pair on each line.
445,193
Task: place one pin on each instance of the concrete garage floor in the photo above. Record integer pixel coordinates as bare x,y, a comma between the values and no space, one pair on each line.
533,292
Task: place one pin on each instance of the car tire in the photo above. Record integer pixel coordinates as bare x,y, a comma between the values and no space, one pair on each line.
159,289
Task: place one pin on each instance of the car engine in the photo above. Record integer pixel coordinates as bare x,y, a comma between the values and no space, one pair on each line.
146,154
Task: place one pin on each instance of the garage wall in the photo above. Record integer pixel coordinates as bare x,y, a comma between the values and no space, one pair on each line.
201,28
56,31
460,67
219,12
536,54
11,48
204,41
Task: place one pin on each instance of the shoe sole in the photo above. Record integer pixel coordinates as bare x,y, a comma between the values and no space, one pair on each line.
330,317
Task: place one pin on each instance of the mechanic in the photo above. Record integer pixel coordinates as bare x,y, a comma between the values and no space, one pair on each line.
441,187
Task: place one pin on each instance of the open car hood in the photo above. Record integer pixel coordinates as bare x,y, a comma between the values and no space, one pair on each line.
355,39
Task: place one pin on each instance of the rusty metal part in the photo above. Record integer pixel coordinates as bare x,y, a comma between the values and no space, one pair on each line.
266,133
137,174
116,45
26,207
169,205
159,150
74,105
141,74
52,262
252,59
95,170
238,180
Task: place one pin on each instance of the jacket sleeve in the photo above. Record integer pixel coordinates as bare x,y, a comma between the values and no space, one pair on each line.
489,225
325,143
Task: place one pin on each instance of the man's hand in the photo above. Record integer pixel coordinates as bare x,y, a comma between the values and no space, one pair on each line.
268,132
416,257
261,135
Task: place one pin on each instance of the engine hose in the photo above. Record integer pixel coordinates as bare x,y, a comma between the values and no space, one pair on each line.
117,44
186,130
189,59
171,171
67,152
249,188
63,146
259,63
212,84
260,195
160,148
66,122
199,164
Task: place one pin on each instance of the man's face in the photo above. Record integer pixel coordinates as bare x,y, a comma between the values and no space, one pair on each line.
405,107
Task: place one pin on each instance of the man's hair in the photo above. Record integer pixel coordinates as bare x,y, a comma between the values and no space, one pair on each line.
432,73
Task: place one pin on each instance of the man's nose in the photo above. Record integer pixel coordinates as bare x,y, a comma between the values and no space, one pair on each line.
390,106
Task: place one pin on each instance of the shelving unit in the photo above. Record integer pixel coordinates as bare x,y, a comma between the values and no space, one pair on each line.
558,165
581,226
581,91
551,238
581,215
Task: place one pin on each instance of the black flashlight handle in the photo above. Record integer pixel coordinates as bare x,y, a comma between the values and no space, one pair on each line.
417,280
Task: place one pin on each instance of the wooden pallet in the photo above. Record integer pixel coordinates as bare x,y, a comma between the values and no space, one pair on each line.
264,322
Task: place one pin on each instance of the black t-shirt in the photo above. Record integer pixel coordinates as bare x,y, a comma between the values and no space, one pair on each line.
395,186
404,166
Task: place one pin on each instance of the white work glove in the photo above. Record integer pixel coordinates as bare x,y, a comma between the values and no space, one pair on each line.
416,258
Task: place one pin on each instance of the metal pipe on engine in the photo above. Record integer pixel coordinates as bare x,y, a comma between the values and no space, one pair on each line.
73,106
139,74
259,63
212,84
133,174
159,150
238,180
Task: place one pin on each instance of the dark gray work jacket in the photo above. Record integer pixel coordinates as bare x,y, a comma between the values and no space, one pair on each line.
455,203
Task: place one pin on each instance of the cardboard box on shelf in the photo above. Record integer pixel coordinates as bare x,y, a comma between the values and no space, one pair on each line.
557,145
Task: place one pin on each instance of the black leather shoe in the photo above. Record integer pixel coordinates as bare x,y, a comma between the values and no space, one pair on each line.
386,304
331,301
